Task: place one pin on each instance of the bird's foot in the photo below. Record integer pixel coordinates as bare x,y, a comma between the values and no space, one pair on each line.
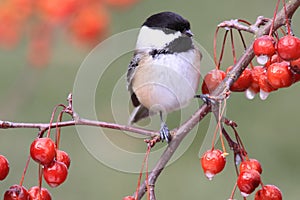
165,133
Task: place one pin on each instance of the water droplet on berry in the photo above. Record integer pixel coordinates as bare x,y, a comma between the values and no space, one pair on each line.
250,94
263,94
244,194
262,59
209,175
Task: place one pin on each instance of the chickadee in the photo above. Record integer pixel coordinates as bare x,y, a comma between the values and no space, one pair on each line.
163,75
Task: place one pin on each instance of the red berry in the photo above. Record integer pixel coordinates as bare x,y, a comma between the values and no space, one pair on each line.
296,63
42,150
4,167
264,83
257,71
279,75
16,192
129,198
62,156
55,173
211,80
95,20
268,192
251,164
213,162
264,45
264,48
35,193
243,82
288,48
248,181
50,10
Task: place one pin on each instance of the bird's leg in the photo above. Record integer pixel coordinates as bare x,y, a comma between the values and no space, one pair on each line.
164,130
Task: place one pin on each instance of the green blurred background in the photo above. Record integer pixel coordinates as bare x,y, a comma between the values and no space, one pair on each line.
269,129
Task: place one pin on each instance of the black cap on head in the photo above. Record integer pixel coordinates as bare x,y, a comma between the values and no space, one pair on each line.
168,20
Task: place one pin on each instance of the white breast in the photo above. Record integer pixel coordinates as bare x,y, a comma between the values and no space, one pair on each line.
167,82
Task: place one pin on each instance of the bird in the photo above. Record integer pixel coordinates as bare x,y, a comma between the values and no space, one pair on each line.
164,73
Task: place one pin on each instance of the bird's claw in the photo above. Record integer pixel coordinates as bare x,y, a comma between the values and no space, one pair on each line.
165,133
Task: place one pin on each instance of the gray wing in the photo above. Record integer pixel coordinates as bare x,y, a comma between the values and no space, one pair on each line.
130,74
139,111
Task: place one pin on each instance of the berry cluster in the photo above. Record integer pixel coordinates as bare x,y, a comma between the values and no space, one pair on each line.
55,162
249,178
53,165
278,59
86,22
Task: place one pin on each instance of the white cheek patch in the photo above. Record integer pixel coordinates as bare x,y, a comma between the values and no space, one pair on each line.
154,38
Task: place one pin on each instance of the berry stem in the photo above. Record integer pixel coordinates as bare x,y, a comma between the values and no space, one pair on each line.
232,46
40,180
244,45
286,18
25,170
57,136
218,64
52,117
274,17
145,161
233,191
147,173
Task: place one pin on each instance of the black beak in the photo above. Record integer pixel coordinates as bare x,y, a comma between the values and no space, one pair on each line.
188,33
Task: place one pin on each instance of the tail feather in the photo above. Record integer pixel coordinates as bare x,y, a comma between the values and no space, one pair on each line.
138,113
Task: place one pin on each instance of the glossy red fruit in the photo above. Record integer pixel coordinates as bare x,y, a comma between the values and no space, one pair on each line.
248,181
35,193
42,150
279,75
55,173
264,45
257,71
268,192
129,198
295,65
265,86
211,80
288,48
16,192
62,156
251,164
4,167
213,162
243,82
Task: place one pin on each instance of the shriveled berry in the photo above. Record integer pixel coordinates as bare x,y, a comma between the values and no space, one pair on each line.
4,167
211,80
213,162
55,173
247,181
16,192
42,150
268,192
250,164
243,82
35,193
62,156
288,48
279,75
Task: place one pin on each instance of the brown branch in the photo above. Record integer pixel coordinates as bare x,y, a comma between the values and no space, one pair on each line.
80,121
